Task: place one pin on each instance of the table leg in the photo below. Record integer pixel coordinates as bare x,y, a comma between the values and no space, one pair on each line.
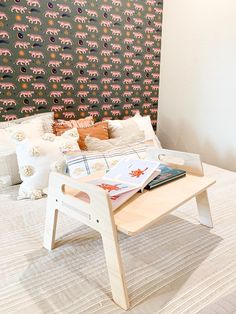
115,271
50,228
204,209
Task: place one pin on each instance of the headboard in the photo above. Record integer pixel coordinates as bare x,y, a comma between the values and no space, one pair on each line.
80,57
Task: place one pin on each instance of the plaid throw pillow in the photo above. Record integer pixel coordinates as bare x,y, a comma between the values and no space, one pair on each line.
81,164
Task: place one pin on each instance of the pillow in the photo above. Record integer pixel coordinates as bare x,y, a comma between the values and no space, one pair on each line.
98,130
8,139
6,143
60,126
19,132
5,181
120,128
46,117
81,164
36,158
9,171
96,144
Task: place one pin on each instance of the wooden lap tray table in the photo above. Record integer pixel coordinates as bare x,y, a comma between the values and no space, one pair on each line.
136,215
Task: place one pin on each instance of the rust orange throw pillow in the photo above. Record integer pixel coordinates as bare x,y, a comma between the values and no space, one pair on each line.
98,130
60,126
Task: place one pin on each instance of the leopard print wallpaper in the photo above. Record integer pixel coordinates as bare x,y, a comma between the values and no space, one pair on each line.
79,57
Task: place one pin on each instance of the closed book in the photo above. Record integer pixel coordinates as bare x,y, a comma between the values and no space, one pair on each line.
167,174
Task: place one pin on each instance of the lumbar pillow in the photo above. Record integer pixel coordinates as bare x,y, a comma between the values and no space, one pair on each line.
46,118
36,158
121,128
95,144
81,164
9,137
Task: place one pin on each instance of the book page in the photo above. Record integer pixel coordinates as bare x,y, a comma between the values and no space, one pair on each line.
118,200
113,187
133,171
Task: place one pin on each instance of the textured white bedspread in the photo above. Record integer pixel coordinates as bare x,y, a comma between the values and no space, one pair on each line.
178,266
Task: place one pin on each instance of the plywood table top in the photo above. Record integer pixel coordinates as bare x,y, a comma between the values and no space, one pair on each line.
144,209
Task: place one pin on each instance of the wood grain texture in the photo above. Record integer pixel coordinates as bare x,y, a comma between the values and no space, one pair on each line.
144,210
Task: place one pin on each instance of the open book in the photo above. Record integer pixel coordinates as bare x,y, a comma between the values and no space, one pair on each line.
126,178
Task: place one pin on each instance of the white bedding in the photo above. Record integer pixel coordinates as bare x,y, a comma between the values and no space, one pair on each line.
178,266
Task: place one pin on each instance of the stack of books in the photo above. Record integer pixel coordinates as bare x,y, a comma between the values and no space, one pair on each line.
167,174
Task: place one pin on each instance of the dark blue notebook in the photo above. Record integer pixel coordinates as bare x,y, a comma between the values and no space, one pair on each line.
167,174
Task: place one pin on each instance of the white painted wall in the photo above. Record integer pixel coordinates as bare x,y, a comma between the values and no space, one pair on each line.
197,108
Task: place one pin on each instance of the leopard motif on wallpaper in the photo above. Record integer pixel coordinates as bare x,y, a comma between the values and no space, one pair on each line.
80,57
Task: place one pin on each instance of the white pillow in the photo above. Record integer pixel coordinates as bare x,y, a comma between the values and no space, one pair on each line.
6,143
36,158
19,132
9,171
95,144
8,140
145,124
81,164
5,181
122,128
46,117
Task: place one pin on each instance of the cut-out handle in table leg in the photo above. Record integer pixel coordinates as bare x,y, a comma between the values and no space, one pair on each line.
115,271
50,228
204,209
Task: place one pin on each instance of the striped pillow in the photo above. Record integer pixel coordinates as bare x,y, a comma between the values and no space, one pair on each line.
81,164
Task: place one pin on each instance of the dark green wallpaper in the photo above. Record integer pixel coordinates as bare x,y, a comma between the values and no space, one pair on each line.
77,57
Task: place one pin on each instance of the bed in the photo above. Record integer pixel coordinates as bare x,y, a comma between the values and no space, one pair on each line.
177,266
